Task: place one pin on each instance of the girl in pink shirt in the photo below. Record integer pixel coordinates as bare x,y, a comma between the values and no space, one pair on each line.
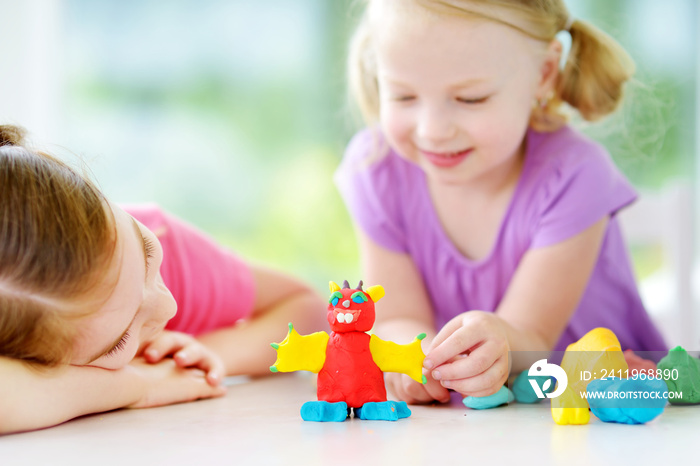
121,307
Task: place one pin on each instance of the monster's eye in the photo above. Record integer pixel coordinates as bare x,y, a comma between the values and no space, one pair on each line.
358,297
335,297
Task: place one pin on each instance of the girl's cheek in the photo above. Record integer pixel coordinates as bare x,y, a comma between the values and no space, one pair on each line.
395,124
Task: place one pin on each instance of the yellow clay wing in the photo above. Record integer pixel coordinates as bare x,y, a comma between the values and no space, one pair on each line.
300,353
404,359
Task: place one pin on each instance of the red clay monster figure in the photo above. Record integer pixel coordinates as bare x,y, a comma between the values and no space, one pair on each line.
350,362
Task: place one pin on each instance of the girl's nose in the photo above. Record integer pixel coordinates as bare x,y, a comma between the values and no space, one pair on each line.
435,123
163,305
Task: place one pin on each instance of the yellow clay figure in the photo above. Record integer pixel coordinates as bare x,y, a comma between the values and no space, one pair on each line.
598,354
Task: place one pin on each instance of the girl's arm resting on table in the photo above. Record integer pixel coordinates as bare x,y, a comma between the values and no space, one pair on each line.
279,300
36,398
404,312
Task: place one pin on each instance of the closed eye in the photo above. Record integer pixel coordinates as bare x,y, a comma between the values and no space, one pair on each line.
119,346
478,100
403,98
149,248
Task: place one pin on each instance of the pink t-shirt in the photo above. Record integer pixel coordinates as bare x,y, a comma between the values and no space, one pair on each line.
213,288
567,183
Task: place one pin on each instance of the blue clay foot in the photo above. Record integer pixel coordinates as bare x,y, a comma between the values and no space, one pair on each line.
501,397
323,411
383,411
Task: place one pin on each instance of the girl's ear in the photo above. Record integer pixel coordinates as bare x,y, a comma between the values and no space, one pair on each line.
549,70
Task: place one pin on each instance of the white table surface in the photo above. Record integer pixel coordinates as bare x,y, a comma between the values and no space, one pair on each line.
258,422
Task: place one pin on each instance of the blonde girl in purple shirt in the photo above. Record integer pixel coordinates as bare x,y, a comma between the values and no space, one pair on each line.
103,307
489,222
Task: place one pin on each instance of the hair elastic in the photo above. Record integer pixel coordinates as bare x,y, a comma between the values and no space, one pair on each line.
569,22
564,38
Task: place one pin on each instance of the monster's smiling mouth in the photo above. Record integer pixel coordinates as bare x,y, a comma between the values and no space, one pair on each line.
346,316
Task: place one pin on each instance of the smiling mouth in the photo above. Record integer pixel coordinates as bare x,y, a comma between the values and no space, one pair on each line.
446,159
346,316
445,154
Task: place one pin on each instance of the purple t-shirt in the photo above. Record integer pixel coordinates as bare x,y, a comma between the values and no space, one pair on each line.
568,183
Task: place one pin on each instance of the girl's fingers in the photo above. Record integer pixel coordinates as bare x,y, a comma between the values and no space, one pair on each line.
165,383
216,371
464,335
196,355
186,352
456,343
165,345
465,366
484,384
436,391
390,383
406,389
415,393
395,386
214,378
189,355
450,327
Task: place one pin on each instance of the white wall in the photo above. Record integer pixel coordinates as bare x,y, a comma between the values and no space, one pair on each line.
31,65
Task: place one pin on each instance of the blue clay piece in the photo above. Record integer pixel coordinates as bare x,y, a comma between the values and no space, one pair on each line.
383,411
523,391
627,401
501,397
323,411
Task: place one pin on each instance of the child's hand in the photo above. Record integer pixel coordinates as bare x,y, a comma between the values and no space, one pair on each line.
406,389
470,354
165,383
187,353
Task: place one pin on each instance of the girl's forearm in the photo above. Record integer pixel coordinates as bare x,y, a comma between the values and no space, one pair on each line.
526,347
403,330
34,399
245,347
38,398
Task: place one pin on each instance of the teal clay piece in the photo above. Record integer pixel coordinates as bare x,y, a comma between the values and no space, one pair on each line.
523,391
636,400
501,397
687,369
383,411
323,411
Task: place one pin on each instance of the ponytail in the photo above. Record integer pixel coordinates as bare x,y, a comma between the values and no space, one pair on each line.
594,76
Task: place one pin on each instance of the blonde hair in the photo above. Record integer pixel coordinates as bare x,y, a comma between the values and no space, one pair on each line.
56,236
591,82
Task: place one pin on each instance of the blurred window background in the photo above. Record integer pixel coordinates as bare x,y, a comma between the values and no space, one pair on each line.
232,115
